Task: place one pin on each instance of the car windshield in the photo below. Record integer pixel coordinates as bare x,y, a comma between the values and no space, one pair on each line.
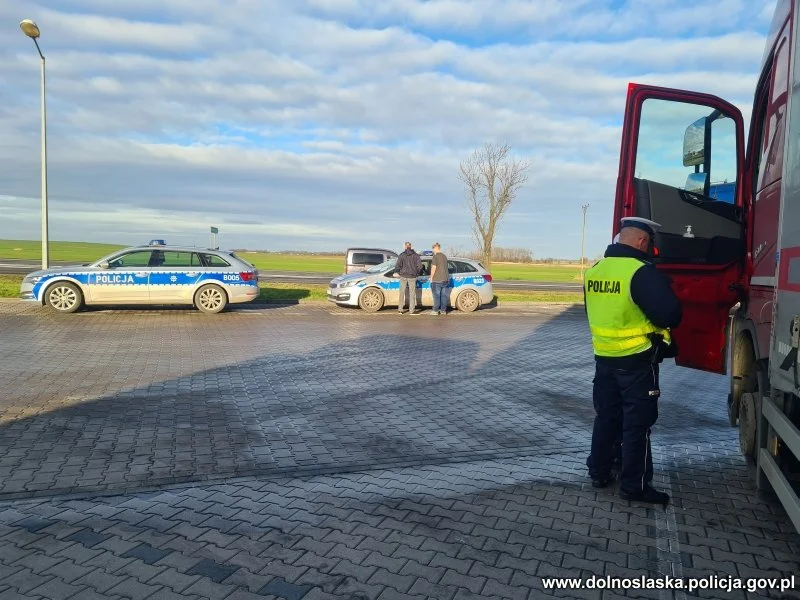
384,266
110,257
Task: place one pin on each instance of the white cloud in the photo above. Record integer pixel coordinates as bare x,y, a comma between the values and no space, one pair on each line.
328,118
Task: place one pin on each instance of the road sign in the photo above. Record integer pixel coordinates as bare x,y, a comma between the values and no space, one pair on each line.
214,230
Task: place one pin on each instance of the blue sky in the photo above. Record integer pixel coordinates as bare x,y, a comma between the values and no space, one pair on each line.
323,124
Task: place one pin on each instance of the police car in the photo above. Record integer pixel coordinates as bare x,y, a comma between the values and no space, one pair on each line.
470,286
153,274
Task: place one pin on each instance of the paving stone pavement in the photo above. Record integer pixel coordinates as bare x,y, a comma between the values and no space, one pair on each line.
314,452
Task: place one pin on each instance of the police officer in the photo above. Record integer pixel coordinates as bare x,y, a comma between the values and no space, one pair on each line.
631,307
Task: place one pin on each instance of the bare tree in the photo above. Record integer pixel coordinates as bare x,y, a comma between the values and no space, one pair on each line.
491,180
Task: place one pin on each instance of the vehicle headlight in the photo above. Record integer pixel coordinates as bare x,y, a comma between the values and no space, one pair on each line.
34,279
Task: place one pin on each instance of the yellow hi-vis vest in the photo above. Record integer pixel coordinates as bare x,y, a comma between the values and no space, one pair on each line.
618,325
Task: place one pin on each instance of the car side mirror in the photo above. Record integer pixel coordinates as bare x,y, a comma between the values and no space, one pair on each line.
104,265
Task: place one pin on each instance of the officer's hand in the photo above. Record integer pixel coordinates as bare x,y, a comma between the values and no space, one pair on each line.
659,347
670,350
662,350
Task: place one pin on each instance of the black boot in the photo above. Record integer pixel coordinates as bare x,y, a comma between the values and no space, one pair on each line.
601,482
648,495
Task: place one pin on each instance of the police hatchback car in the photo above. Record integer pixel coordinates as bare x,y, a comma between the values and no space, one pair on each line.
155,274
372,289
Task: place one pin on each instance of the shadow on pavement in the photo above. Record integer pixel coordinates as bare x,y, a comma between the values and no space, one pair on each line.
366,401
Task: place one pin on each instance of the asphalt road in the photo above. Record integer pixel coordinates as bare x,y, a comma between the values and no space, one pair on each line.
10,266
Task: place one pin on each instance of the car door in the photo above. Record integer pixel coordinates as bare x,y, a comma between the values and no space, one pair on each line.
123,280
390,286
678,148
173,276
424,293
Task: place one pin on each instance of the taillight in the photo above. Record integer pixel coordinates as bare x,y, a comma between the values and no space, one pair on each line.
487,277
247,276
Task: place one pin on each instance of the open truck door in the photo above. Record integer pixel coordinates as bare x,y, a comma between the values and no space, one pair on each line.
681,165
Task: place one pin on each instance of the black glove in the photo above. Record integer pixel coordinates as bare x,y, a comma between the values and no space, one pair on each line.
661,349
670,350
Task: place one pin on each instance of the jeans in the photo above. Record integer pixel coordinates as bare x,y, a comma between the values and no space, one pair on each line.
626,403
411,282
439,291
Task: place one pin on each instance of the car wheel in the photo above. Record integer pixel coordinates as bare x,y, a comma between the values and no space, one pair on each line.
210,299
468,301
64,297
371,300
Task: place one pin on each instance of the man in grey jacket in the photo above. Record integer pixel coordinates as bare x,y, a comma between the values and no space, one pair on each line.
408,267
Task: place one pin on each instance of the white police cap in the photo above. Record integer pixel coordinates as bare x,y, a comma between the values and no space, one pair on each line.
646,225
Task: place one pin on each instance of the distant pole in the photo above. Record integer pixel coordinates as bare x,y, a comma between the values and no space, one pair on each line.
583,236
214,232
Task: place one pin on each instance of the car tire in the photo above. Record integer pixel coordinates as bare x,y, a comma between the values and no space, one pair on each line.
371,299
468,301
63,297
210,299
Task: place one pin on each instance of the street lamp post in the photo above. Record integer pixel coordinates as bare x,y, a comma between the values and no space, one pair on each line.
31,29
583,236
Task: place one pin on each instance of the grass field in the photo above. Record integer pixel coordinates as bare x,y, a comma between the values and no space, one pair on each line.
77,251
9,288
274,262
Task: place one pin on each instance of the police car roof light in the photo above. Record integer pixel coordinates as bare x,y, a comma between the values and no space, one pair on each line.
157,243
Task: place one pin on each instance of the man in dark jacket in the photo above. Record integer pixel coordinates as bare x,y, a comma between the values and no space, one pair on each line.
408,267
631,308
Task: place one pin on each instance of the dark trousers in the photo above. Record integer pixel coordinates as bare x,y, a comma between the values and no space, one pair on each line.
439,293
626,407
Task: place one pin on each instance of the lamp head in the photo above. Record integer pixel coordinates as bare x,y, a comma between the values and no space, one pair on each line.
29,28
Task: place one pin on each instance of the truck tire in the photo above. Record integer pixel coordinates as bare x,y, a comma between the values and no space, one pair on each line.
748,424
744,378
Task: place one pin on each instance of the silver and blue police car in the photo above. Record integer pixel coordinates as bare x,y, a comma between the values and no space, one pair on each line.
156,274
470,286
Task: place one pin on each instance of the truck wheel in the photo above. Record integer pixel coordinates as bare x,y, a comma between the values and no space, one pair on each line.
743,376
64,297
371,300
748,424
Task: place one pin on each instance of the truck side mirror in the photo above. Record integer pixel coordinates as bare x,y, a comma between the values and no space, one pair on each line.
696,183
694,143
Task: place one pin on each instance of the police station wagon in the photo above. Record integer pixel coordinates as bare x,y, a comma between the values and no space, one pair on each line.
156,274
470,286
